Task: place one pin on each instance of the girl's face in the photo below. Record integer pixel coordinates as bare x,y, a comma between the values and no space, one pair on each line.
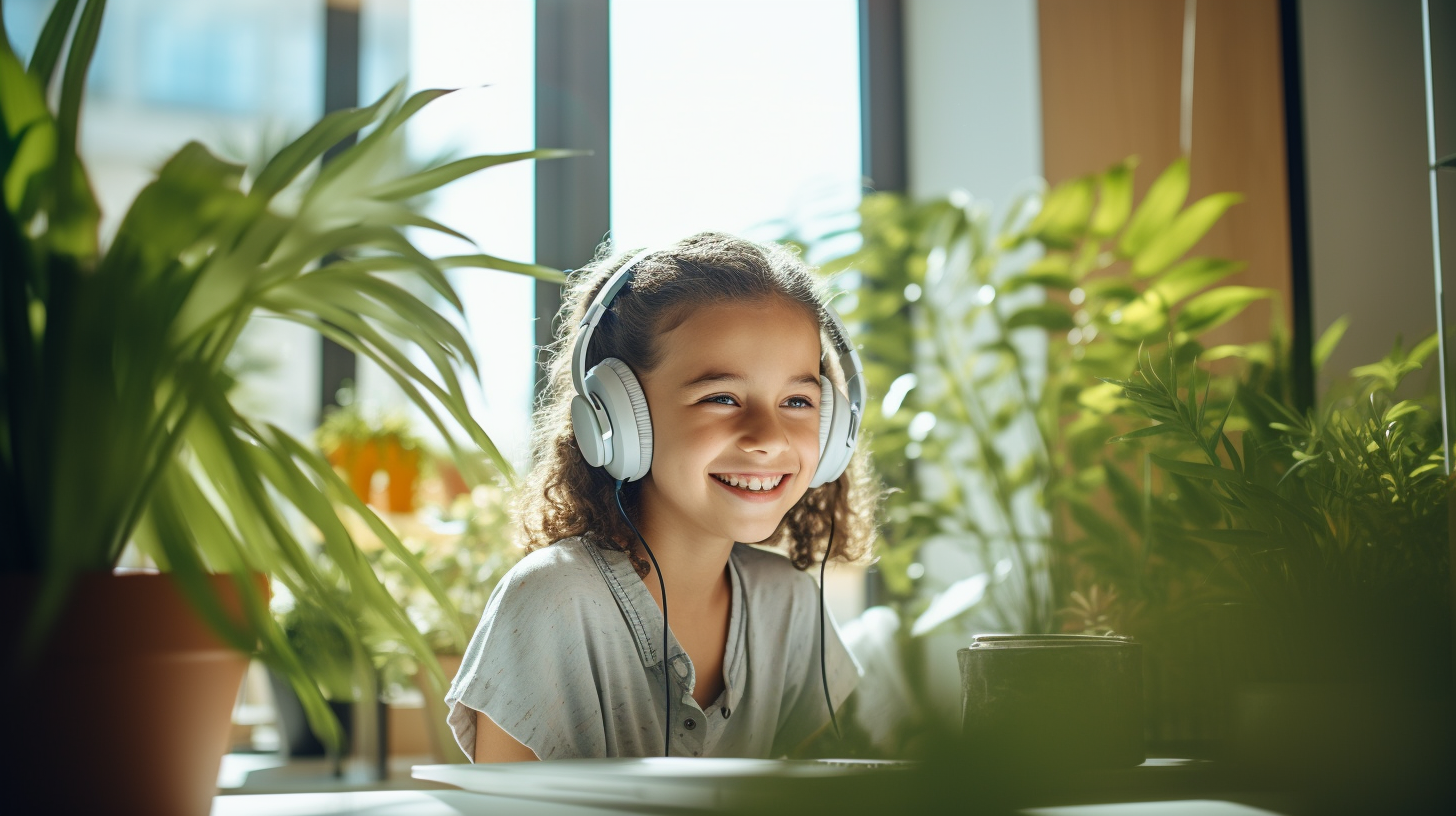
735,421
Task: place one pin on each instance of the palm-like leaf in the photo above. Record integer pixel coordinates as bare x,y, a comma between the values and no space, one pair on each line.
116,425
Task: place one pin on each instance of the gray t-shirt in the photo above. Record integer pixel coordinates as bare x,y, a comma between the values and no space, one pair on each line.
568,660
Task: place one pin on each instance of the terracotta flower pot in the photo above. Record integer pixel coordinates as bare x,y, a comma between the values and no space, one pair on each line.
403,466
363,461
127,709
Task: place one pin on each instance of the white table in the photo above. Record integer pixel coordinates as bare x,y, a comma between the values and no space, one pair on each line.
461,803
392,803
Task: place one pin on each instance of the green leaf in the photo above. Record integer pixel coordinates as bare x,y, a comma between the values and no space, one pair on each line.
1050,271
1114,289
1167,246
1217,307
1160,206
1115,201
1064,214
430,179
1194,470
1046,316
1143,433
52,36
1094,524
74,216
342,493
1193,275
1235,538
1424,349
480,261
193,190
1427,468
294,158
30,141
1327,342
369,149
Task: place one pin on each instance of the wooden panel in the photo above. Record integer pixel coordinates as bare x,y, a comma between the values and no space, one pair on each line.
1110,76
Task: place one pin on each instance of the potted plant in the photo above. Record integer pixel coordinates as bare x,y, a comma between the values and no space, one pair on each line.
361,446
116,426
465,541
987,339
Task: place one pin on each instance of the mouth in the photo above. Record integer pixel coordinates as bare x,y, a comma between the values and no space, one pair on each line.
760,486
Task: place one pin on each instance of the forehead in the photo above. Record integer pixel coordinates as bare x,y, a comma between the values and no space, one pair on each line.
748,338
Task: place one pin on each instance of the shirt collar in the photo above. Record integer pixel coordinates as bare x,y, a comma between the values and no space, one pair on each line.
644,618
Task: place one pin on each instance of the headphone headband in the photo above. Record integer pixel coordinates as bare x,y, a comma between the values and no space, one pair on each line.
849,361
593,316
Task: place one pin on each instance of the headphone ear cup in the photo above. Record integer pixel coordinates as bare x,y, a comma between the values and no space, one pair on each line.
834,449
826,413
621,396
588,430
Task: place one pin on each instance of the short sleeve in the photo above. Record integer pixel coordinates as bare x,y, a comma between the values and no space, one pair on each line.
528,668
805,713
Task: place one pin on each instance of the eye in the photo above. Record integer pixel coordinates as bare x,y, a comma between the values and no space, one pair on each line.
721,399
799,402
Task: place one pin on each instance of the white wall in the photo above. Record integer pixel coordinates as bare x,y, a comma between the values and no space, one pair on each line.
973,97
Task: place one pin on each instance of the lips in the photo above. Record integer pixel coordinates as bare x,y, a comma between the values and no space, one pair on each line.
750,481
754,486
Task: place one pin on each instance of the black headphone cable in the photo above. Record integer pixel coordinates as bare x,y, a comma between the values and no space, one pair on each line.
823,671
666,675
662,586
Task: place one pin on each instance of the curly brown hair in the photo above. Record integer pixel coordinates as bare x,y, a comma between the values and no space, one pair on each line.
563,496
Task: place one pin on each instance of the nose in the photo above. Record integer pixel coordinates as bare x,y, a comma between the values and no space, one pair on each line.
762,430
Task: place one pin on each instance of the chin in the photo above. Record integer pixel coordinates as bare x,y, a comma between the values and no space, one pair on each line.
755,534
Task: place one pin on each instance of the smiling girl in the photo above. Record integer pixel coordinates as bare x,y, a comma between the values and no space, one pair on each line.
715,347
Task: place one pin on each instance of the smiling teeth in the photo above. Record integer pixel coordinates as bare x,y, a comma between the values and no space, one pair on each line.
751,482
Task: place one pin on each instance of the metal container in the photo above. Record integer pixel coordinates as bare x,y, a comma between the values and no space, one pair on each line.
1063,701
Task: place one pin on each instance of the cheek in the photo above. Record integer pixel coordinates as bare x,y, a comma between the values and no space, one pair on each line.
806,441
681,441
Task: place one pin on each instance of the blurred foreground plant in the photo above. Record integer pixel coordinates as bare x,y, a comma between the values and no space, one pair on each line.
1334,521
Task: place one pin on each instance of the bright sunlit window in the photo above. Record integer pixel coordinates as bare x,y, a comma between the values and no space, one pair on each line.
729,114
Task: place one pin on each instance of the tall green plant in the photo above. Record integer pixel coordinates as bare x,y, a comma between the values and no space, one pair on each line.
116,425
987,342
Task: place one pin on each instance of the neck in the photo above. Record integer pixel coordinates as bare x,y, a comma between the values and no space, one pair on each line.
694,563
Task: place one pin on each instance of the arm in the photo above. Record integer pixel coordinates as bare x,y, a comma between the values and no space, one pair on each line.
493,744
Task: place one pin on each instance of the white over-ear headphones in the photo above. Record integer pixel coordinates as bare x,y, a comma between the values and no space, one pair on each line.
614,428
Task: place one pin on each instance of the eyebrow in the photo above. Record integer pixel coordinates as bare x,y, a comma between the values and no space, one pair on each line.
728,376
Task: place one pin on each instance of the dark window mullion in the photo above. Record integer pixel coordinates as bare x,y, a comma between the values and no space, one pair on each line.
338,366
882,94
573,110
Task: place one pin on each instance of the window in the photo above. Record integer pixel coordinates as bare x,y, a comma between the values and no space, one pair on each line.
729,114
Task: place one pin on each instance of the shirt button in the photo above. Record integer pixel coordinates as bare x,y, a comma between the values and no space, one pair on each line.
690,724
726,712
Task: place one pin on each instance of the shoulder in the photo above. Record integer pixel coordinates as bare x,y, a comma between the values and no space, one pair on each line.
564,562
561,573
